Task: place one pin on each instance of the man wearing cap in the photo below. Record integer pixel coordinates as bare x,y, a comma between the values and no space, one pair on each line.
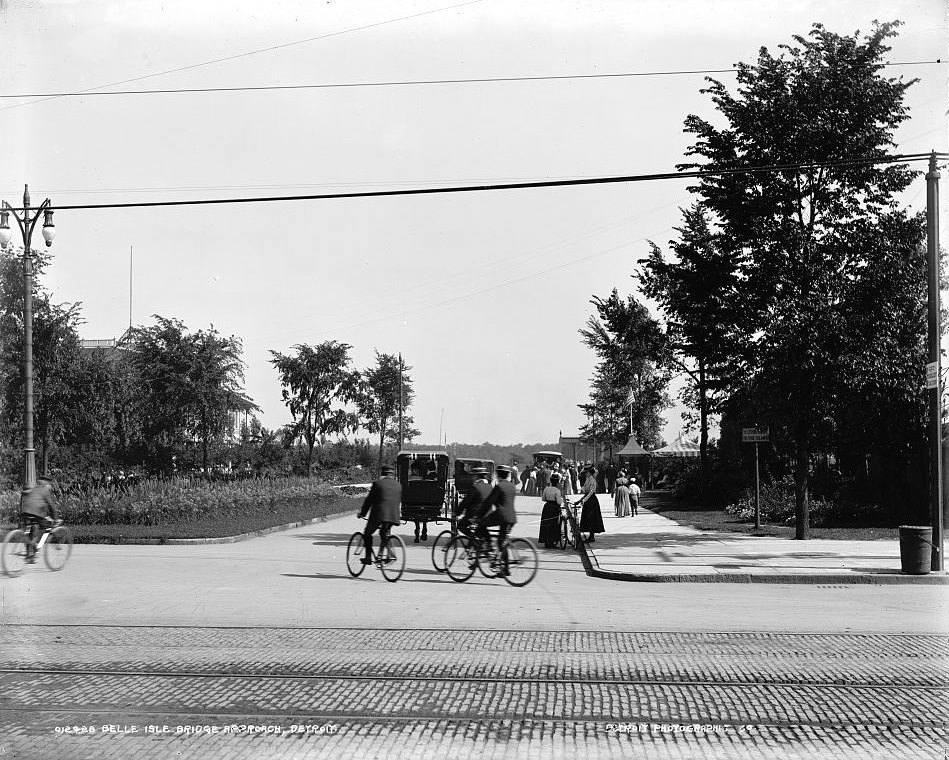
37,507
498,509
383,506
470,506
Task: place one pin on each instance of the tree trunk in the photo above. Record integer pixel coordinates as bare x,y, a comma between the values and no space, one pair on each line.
45,442
703,427
310,439
801,516
382,442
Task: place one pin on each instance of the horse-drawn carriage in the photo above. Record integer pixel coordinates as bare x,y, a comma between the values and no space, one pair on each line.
428,494
548,458
463,475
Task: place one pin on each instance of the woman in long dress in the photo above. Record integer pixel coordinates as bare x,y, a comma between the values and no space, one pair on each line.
532,482
621,499
591,521
550,515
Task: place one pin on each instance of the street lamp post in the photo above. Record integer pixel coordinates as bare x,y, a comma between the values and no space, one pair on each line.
26,223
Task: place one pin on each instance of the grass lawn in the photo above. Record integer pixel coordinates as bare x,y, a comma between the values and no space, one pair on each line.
716,520
215,527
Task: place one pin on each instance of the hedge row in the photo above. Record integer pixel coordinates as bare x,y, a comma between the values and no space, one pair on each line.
172,502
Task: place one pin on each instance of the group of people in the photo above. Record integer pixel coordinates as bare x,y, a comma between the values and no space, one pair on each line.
588,480
481,508
535,478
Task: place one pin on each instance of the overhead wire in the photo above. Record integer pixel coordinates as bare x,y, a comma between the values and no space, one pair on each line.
575,182
384,83
510,262
247,53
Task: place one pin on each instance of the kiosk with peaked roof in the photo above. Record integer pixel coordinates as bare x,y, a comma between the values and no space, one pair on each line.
636,457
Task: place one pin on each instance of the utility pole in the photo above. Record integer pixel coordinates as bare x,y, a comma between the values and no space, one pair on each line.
934,382
401,427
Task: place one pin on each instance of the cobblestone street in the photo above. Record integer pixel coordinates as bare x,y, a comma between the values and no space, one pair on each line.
276,692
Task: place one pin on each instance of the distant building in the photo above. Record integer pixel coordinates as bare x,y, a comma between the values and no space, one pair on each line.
113,347
577,450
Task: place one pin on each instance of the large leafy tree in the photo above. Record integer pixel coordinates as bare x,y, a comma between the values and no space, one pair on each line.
629,381
186,385
318,383
698,292
824,106
68,405
379,400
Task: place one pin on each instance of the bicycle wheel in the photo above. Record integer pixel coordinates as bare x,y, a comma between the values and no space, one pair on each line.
489,563
562,543
458,562
521,562
440,549
58,548
355,551
13,552
392,559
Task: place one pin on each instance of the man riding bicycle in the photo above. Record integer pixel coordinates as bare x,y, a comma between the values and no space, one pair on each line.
470,506
37,509
383,507
498,509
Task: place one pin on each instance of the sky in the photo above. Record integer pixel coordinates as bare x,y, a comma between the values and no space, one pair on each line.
482,293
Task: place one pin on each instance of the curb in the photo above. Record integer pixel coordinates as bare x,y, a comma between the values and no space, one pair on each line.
217,540
824,579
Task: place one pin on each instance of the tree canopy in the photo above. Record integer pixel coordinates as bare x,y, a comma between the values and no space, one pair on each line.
814,239
317,383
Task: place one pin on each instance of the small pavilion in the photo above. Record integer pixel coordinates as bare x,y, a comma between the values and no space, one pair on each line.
636,459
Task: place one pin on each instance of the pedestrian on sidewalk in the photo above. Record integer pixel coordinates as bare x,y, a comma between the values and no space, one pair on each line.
591,521
550,515
621,499
634,493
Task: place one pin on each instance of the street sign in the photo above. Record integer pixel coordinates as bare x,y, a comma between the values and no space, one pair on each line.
932,375
755,435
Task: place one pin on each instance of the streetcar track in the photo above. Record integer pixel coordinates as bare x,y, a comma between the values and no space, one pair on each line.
765,634
514,719
463,679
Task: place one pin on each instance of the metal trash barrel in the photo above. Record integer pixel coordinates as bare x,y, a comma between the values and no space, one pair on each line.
916,546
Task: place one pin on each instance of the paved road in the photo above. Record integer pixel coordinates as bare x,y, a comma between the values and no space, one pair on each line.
273,632
469,693
298,578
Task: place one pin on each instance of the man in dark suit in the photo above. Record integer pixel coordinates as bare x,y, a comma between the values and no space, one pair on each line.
498,509
37,508
383,506
470,506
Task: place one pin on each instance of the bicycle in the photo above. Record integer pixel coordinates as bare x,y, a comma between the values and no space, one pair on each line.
55,543
517,566
390,557
440,549
568,537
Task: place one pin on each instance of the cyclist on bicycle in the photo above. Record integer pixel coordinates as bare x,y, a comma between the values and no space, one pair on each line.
383,507
37,509
470,506
498,509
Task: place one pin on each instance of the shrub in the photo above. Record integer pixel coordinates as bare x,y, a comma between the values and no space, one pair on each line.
169,502
778,504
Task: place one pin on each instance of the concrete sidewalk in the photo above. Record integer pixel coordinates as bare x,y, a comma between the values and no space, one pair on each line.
650,547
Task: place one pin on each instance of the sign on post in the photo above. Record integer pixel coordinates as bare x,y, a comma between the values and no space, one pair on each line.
932,375
755,435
